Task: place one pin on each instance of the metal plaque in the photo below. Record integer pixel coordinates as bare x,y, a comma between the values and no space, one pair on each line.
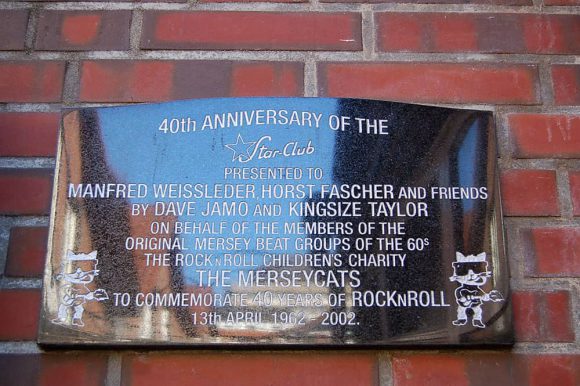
276,222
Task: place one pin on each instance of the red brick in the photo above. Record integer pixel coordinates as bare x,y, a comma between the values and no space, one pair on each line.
72,370
562,2
28,134
19,369
108,1
429,369
20,312
566,83
272,79
545,136
558,317
66,369
252,30
550,370
25,191
551,34
252,79
529,193
431,82
542,316
462,2
253,1
77,29
399,32
36,81
575,191
279,369
506,368
526,316
478,32
142,81
110,81
26,251
454,34
554,251
83,30
493,368
13,24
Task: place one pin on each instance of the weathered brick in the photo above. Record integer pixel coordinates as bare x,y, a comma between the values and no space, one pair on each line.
478,32
26,251
122,81
73,369
262,79
142,81
566,83
550,370
529,193
551,34
83,30
323,369
25,191
575,191
399,32
13,24
36,81
553,251
429,369
66,369
542,316
490,2
492,368
545,136
431,82
108,1
19,369
253,1
252,30
558,318
505,368
562,2
20,312
526,316
28,134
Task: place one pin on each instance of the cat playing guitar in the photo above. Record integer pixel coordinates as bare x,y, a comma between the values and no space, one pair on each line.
471,273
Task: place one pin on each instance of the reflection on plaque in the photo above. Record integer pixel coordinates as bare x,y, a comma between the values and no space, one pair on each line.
276,221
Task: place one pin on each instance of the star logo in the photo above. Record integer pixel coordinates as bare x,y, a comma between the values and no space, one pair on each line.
241,149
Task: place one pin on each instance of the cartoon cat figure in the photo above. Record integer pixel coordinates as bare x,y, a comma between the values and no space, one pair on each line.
471,273
77,272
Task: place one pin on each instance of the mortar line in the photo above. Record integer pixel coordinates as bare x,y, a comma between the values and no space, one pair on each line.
369,34
135,31
310,78
545,78
385,371
564,192
71,87
114,368
31,29
296,55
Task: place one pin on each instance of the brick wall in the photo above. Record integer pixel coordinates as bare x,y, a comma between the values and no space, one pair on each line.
520,58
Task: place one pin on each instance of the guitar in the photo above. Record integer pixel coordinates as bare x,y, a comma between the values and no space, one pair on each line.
474,297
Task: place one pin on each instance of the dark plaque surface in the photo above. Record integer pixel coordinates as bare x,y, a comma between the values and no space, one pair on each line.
276,221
